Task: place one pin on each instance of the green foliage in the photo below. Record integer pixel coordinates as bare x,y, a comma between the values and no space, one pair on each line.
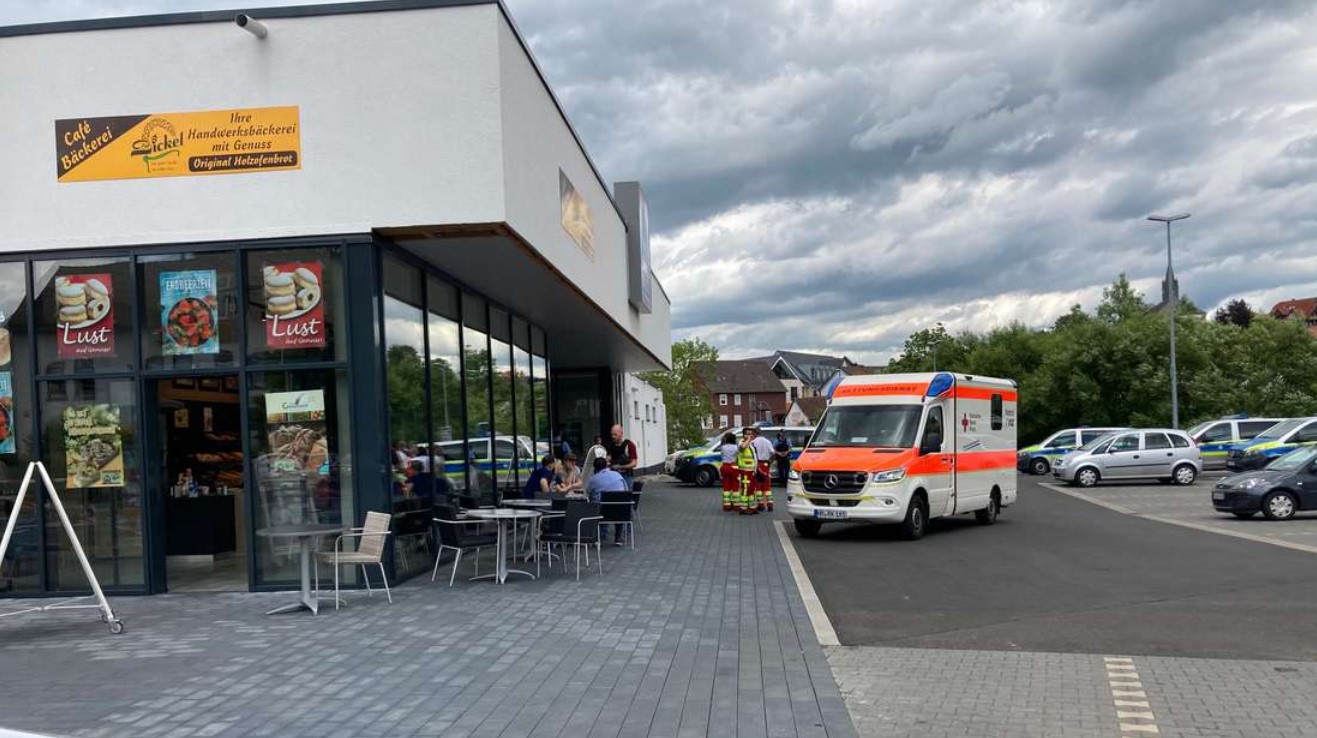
1112,367
1235,312
684,397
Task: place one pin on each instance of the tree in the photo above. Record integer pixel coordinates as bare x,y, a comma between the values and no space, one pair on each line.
684,396
1236,312
1121,301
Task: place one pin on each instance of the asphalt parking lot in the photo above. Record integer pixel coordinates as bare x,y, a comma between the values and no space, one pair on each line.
1191,506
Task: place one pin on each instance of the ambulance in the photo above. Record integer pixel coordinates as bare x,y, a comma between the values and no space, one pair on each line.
907,448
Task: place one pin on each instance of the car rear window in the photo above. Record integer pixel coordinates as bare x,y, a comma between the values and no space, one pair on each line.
1179,441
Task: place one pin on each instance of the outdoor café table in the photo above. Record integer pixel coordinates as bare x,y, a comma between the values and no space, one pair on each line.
304,535
504,517
531,505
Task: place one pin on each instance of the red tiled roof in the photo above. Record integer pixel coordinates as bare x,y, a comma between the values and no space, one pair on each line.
1305,308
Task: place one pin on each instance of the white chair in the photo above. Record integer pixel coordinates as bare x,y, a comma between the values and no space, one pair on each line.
369,551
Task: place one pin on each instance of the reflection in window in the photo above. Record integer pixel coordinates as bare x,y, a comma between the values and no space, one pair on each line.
522,392
445,366
540,398
299,434
475,367
90,436
413,483
500,352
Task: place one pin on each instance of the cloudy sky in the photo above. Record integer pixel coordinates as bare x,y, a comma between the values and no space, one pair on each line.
830,175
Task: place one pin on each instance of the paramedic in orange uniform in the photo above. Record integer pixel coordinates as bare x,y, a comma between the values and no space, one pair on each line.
731,480
764,454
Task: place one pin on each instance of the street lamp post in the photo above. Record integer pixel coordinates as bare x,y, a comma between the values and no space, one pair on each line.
1173,296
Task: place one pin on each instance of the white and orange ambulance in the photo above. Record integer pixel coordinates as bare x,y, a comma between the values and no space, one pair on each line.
907,448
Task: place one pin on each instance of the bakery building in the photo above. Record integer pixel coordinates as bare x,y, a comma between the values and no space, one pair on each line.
269,273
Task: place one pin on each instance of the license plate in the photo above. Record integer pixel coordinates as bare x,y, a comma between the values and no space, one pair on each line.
1218,496
830,514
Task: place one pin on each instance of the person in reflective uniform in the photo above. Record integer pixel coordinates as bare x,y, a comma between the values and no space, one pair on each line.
746,467
763,481
731,480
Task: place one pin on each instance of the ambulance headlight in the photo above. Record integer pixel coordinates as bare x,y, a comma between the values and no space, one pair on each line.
887,477
793,475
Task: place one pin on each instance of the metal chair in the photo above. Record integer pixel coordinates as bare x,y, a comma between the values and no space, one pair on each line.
458,536
370,539
617,509
580,529
636,489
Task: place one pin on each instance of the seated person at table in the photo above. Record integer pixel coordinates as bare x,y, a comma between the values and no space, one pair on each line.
423,482
569,477
604,480
541,480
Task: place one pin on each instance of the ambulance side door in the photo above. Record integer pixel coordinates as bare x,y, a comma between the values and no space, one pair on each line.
937,457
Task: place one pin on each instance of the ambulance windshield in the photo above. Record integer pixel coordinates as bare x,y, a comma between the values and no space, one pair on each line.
868,426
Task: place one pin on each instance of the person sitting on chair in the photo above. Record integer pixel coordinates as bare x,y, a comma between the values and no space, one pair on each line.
607,480
541,480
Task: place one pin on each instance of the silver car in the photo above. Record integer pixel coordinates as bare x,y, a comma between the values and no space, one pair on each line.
1148,453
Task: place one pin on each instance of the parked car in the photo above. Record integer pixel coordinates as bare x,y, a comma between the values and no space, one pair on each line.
1274,442
1038,458
1216,437
1163,454
1286,486
702,464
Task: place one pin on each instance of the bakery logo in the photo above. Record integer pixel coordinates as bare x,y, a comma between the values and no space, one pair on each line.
294,309
84,316
160,146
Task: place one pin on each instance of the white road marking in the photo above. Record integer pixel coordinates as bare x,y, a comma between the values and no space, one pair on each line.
818,617
1120,675
1182,523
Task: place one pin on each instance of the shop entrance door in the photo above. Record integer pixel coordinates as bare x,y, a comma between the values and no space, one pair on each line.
196,483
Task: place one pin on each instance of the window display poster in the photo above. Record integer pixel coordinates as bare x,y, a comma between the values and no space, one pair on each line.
6,413
93,445
295,422
188,313
294,307
6,354
181,418
84,315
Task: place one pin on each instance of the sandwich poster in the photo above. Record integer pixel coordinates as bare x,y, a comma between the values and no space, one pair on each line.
189,318
93,445
295,422
6,413
294,309
84,316
178,144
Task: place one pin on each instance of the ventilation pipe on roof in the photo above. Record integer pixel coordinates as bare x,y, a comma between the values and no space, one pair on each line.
251,25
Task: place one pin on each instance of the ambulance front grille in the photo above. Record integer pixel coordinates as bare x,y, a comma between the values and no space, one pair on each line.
833,482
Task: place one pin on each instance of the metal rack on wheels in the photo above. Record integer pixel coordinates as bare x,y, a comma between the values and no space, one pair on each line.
75,603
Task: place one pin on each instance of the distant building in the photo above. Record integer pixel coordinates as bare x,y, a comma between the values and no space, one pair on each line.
742,392
1304,309
1169,283
806,411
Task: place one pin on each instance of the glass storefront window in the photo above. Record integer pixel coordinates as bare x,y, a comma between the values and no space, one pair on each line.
445,366
190,309
540,397
509,455
84,315
522,393
413,483
21,569
299,429
475,368
91,447
296,306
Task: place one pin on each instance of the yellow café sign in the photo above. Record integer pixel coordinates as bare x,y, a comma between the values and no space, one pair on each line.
178,144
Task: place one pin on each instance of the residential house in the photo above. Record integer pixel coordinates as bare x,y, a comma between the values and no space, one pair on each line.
1304,309
806,411
742,392
805,375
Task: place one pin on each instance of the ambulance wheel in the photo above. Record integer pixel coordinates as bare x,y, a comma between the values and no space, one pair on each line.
916,520
1039,467
988,515
705,476
808,528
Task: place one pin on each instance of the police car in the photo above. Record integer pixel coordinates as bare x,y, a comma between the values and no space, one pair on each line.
1275,441
1215,438
702,465
1038,458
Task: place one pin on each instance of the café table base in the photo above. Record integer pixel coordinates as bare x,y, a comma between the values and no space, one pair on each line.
308,599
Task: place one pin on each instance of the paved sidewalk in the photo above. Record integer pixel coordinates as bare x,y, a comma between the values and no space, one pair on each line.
700,631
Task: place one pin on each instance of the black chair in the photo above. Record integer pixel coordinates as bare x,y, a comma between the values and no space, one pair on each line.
580,529
459,536
616,509
636,489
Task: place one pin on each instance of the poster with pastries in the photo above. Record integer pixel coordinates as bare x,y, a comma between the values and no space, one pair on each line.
189,315
294,305
6,413
84,315
295,422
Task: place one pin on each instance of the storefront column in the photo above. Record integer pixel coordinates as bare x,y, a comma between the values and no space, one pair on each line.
366,356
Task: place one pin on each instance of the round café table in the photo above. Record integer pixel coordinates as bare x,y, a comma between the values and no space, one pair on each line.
534,538
504,517
304,534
